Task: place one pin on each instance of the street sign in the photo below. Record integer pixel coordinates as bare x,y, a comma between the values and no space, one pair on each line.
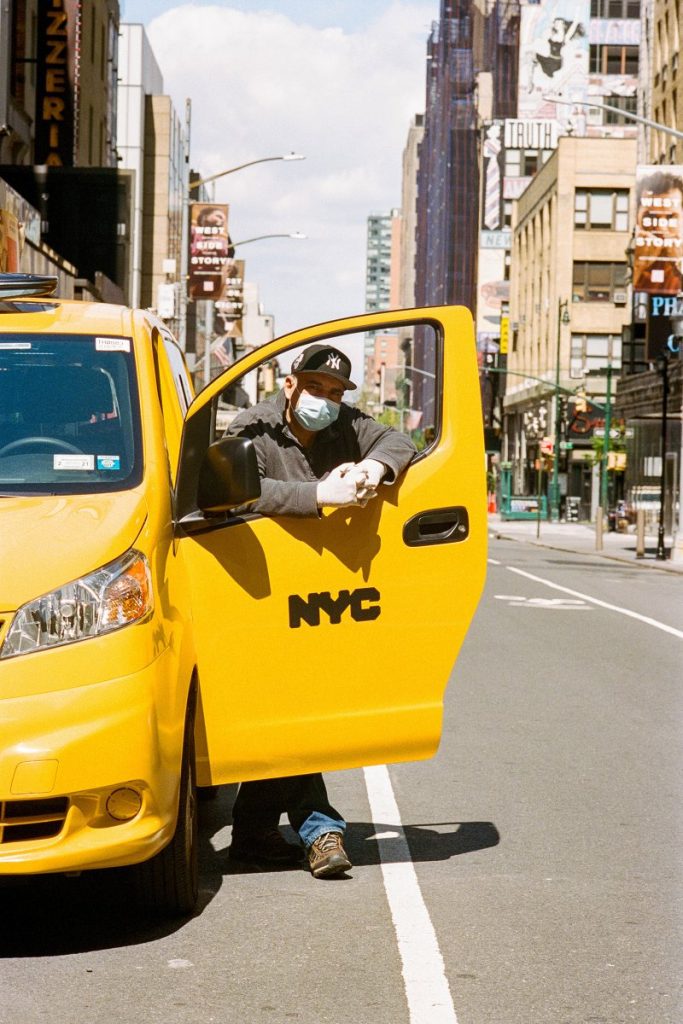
566,446
614,433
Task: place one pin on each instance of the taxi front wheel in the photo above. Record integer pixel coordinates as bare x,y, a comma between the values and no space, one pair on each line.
168,883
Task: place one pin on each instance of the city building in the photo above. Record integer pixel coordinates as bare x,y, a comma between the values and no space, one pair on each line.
58,83
380,235
652,374
665,83
58,92
568,307
410,166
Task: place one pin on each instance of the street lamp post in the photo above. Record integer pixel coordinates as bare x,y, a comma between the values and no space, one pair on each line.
604,461
562,318
190,187
258,238
664,364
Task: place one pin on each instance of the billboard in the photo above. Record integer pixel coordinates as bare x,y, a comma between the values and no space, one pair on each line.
553,58
658,248
230,306
209,251
493,171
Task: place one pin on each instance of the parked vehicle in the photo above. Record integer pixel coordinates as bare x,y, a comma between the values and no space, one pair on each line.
146,635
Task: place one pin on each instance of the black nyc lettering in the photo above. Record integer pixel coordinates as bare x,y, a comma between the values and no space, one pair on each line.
363,605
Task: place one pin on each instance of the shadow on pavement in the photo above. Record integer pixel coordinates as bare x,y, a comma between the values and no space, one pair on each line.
54,915
429,842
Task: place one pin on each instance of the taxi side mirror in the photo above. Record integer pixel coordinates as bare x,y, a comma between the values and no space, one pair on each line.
228,475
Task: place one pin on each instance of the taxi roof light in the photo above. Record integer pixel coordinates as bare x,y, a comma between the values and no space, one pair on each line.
24,286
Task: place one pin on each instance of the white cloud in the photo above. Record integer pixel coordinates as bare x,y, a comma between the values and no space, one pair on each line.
261,85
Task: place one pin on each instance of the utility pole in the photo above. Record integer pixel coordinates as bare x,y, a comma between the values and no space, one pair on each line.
562,318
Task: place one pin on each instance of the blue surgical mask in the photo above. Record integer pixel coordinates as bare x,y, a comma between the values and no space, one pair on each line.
315,413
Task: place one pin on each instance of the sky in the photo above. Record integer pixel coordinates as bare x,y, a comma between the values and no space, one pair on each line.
336,80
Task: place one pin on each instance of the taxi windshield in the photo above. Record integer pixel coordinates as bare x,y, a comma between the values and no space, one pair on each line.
69,414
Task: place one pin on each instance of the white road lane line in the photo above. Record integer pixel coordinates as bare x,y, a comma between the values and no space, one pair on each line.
424,976
601,604
493,561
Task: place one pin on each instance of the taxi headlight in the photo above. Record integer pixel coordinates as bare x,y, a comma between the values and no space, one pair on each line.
111,597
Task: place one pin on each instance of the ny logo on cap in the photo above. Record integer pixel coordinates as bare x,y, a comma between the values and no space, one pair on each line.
333,362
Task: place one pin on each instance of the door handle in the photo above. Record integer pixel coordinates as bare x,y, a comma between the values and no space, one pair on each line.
437,526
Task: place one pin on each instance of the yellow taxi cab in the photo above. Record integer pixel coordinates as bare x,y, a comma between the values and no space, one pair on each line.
147,641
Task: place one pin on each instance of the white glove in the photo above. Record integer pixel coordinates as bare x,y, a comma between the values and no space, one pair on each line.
374,472
368,475
340,488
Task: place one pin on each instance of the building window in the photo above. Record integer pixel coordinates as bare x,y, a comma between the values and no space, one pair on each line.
615,8
593,353
601,209
613,60
599,282
628,103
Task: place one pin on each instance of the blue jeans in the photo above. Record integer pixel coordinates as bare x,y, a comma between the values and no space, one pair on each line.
303,798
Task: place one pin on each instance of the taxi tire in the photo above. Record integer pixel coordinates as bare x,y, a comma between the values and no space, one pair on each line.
168,883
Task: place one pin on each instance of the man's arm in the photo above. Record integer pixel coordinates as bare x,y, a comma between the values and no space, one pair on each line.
384,445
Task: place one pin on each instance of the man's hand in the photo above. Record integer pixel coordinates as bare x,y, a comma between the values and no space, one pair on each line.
344,486
374,472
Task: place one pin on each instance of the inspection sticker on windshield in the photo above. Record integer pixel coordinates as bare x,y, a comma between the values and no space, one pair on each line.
112,344
73,461
109,462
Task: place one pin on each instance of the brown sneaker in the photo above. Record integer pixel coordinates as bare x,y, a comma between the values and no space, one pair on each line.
267,846
327,856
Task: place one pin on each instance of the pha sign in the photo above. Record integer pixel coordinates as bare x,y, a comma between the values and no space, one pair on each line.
663,330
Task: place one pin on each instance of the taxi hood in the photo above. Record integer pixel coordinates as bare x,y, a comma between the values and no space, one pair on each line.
47,541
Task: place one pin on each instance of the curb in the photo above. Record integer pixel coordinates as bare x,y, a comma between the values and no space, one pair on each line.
637,562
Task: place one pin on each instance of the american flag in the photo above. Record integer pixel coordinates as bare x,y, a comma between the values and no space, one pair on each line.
222,350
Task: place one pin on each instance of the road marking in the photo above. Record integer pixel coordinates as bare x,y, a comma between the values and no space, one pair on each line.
494,561
601,604
564,604
424,975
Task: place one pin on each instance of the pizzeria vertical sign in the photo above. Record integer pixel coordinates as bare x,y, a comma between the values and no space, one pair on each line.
59,31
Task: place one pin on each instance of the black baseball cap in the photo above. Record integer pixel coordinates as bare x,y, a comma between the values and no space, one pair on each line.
325,359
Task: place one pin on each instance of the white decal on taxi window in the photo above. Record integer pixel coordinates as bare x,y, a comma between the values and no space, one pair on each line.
109,462
15,344
73,461
112,344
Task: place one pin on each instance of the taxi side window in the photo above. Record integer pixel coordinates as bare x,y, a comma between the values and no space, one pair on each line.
181,378
396,371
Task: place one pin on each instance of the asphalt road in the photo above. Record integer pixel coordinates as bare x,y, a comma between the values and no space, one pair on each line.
541,879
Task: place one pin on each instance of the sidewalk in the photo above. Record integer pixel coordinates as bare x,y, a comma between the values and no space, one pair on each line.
580,539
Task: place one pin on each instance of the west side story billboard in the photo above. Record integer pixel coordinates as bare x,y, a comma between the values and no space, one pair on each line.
658,243
553,58
209,251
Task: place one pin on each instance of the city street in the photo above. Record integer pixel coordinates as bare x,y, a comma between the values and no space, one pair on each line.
545,839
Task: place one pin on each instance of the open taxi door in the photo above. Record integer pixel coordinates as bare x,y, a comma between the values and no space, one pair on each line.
327,643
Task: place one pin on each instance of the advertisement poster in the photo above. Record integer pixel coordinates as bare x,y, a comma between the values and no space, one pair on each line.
230,307
493,156
553,58
209,246
658,251
493,293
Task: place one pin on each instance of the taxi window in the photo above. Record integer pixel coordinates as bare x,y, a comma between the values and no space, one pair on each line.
69,414
395,369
